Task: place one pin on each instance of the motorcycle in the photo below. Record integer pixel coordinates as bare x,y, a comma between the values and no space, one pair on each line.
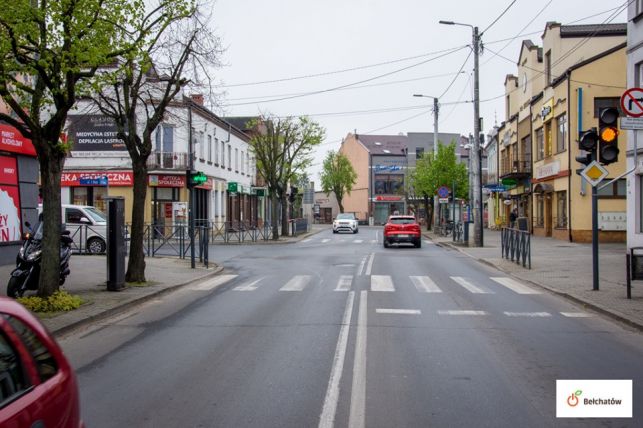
26,275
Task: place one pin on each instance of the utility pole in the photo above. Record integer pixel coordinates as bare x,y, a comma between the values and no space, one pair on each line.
436,111
190,188
477,155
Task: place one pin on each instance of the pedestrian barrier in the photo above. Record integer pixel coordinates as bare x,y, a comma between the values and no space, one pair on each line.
516,246
458,232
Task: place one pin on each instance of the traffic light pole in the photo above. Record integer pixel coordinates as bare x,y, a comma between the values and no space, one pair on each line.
595,238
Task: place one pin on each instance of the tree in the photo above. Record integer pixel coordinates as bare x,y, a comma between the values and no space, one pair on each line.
338,176
48,51
441,169
283,148
174,48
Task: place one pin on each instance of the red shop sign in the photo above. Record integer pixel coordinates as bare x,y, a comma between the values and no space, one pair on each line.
8,170
114,178
11,140
388,198
160,180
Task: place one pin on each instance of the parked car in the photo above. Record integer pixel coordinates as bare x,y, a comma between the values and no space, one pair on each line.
402,229
87,226
346,222
38,387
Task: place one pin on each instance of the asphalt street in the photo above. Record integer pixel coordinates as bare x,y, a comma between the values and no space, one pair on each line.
335,330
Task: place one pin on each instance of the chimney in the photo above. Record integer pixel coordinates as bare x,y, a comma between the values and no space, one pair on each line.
197,98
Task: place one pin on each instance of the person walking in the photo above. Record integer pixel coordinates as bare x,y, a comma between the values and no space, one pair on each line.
512,218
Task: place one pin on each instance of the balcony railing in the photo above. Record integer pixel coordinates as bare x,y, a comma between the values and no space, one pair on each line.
515,167
168,160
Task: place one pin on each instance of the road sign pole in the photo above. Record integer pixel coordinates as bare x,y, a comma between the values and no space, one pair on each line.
595,238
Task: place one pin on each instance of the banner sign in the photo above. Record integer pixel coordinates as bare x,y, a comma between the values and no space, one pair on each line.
162,180
115,178
93,132
8,170
11,140
10,230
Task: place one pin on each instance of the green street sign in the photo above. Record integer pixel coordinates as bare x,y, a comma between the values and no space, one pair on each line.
233,187
197,178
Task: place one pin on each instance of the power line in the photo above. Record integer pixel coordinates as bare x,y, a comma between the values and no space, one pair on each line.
456,76
498,18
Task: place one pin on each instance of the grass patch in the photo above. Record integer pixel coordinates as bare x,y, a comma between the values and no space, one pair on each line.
60,301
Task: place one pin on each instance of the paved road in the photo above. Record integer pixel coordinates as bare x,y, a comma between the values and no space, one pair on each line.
338,331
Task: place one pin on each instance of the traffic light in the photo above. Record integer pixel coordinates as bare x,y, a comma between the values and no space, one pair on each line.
293,194
588,141
196,178
608,135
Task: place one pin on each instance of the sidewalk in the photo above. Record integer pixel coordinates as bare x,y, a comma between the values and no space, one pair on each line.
565,268
88,280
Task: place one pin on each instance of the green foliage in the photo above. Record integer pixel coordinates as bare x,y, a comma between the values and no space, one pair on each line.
443,169
338,176
60,301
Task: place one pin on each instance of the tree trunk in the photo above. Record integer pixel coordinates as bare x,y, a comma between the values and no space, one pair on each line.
51,167
136,262
284,217
341,206
274,207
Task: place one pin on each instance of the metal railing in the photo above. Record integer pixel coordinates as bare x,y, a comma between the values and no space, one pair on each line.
516,246
168,160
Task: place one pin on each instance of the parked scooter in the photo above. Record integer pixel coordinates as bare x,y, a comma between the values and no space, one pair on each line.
26,275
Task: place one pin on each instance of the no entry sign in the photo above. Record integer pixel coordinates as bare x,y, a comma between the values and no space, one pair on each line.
632,102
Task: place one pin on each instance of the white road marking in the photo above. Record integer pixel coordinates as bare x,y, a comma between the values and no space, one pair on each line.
327,417
357,241
361,266
377,236
344,283
325,240
576,314
369,266
528,314
452,312
424,284
248,287
515,285
357,415
212,283
398,311
297,283
381,283
472,288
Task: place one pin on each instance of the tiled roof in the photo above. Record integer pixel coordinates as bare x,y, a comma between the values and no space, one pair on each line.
593,30
239,122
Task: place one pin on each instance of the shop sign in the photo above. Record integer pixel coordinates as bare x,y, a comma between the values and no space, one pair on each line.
115,178
207,185
94,132
379,168
11,140
548,170
163,180
547,111
260,191
9,201
233,187
388,198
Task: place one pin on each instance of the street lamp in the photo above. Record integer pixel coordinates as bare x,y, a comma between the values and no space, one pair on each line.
476,155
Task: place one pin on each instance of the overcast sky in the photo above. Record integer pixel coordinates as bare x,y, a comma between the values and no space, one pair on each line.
288,48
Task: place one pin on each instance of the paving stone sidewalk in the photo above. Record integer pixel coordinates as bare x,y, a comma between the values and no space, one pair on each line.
565,268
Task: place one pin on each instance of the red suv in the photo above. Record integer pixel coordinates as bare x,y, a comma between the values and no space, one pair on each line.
402,229
37,385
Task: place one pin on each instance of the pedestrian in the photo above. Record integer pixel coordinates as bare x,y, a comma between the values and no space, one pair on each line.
512,218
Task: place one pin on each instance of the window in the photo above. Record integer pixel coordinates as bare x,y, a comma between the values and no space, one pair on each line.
236,160
73,215
616,190
561,133
548,68
222,154
540,144
561,210
164,140
419,152
392,184
639,7
247,163
229,156
243,158
201,143
540,210
638,74
45,362
209,148
216,151
12,375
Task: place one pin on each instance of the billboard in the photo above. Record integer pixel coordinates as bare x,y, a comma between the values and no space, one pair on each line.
10,230
11,140
94,133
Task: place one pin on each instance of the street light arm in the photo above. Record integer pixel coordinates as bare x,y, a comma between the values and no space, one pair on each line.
455,23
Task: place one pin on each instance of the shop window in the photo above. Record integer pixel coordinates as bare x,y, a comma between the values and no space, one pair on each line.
389,184
79,195
539,220
561,210
561,133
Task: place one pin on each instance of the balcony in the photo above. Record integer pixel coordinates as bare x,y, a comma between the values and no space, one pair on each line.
518,169
168,160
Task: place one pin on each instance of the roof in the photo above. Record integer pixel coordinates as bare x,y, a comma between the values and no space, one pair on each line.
240,122
593,30
384,144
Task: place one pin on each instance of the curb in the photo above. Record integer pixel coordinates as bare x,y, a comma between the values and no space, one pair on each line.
615,316
117,310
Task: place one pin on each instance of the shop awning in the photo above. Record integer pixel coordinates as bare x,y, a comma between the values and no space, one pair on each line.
543,188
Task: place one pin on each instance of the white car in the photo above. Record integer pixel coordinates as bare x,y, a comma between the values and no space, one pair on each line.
345,222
